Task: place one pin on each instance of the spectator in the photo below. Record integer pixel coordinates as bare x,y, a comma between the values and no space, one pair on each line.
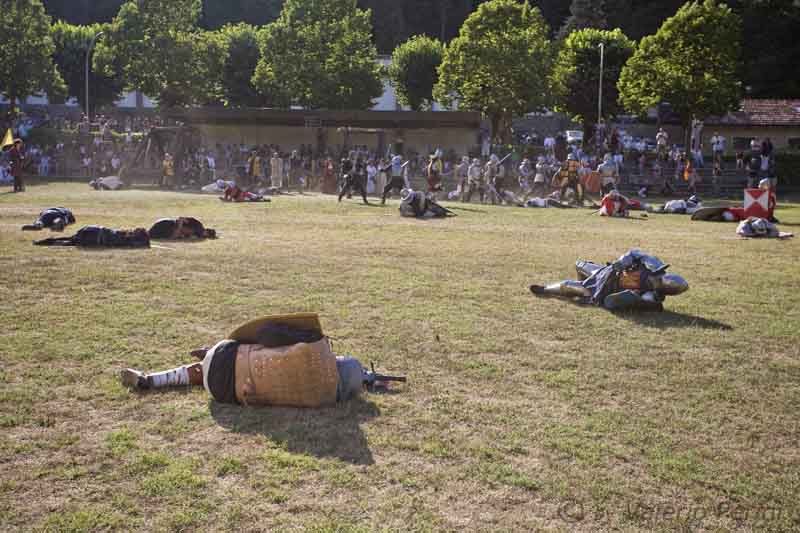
717,146
87,165
716,177
739,160
766,148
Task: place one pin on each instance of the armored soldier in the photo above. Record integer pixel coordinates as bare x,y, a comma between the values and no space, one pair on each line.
609,174
634,281
354,179
435,170
475,180
396,182
566,177
271,361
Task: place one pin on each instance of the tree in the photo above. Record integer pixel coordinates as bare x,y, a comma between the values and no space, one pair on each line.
771,49
413,70
71,43
218,13
163,53
576,74
240,65
498,63
320,55
584,14
691,62
26,54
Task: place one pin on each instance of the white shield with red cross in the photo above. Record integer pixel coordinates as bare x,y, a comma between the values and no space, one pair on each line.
756,203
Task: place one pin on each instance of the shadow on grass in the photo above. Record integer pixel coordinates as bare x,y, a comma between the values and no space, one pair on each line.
671,319
328,432
467,209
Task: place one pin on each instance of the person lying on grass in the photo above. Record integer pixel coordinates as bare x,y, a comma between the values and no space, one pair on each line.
634,281
179,229
235,194
277,360
55,218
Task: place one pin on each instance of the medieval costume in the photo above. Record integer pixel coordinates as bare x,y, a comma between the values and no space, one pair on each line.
758,203
109,183
540,179
396,183
475,180
168,171
495,174
525,174
566,177
272,361
180,228
253,167
55,218
418,205
609,174
755,227
276,170
234,194
614,204
100,237
462,176
18,162
681,207
354,179
435,170
634,281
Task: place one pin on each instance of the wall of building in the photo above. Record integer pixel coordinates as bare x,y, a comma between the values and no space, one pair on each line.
780,136
421,141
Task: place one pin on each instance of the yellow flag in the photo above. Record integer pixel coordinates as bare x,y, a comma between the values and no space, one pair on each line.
8,140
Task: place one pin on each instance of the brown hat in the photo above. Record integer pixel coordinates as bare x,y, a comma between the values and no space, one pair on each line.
248,333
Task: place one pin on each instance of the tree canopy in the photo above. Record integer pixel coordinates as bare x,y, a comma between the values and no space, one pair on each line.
320,55
576,74
496,64
240,65
414,71
584,14
26,56
71,43
691,62
163,53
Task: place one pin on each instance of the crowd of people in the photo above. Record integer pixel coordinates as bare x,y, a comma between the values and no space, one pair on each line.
104,147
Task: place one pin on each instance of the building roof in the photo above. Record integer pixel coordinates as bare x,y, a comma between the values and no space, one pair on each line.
356,119
753,112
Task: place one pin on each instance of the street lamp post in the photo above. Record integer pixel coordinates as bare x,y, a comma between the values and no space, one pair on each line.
600,88
88,55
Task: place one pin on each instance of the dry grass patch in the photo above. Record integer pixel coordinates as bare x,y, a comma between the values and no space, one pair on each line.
520,413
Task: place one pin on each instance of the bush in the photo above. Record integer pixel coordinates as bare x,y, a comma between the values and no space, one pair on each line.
787,167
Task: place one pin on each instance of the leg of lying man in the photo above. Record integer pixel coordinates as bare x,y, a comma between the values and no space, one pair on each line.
568,289
182,376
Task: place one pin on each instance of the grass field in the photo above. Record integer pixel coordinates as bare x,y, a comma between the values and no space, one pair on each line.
519,414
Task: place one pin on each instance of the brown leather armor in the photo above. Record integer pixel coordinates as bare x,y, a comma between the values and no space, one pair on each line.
300,375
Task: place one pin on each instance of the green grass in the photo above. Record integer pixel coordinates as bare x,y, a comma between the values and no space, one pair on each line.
518,411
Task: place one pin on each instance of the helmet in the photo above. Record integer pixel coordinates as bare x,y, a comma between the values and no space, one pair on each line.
765,184
476,161
572,157
607,158
693,199
760,226
541,159
406,194
728,216
437,153
494,159
465,159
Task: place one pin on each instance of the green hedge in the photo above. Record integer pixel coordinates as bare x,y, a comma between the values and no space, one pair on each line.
787,167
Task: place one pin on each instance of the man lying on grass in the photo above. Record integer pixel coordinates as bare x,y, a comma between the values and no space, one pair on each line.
280,360
634,281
